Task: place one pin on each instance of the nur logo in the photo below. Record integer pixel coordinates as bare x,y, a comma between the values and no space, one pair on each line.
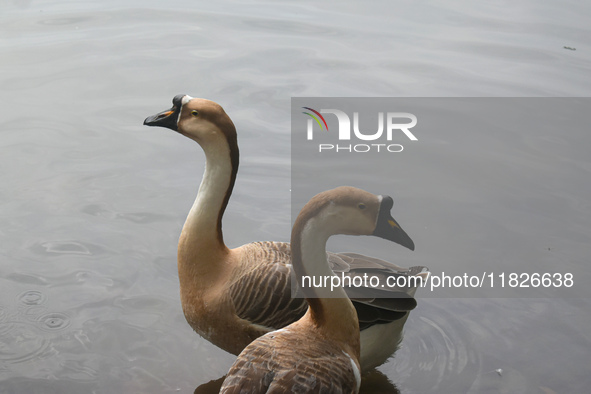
397,123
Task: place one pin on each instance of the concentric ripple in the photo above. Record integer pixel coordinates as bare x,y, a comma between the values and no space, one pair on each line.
20,342
54,321
32,297
437,355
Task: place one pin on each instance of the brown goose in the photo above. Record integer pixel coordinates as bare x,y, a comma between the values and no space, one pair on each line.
320,352
233,296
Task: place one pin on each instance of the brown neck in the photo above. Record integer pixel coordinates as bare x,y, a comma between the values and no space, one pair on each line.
331,312
201,242
337,319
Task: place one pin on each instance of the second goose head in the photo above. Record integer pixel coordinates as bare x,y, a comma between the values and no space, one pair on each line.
344,210
348,210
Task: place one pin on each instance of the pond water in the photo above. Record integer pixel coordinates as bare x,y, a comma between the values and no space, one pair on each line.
92,202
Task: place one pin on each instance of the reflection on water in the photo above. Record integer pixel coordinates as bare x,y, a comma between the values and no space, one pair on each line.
92,203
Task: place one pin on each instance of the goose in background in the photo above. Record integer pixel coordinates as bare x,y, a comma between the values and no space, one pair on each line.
320,352
232,296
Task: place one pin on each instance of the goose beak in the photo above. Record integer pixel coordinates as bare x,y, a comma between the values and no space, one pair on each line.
166,118
388,228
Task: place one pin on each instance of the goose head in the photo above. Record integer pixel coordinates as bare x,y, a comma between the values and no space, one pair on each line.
201,120
352,211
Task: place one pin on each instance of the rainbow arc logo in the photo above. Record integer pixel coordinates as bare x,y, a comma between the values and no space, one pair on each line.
315,118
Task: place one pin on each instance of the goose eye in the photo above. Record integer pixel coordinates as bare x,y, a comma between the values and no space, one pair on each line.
361,205
194,113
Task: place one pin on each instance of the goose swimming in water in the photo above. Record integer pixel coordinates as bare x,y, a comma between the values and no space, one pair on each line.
233,296
320,352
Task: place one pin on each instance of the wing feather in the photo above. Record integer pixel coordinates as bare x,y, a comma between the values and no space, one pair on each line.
262,294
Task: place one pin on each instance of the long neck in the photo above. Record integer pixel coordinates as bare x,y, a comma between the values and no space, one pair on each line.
311,261
201,238
330,310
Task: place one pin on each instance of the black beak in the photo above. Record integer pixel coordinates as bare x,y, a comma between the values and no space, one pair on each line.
169,117
388,228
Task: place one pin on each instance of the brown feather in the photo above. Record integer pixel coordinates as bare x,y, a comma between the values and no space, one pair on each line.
269,365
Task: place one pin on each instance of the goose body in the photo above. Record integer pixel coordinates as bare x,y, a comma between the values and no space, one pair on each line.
233,296
320,352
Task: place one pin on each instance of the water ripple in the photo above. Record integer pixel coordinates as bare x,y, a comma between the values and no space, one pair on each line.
20,342
32,297
54,321
64,21
135,217
437,355
67,247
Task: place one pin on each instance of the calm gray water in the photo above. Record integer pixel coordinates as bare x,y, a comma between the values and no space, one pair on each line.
92,202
